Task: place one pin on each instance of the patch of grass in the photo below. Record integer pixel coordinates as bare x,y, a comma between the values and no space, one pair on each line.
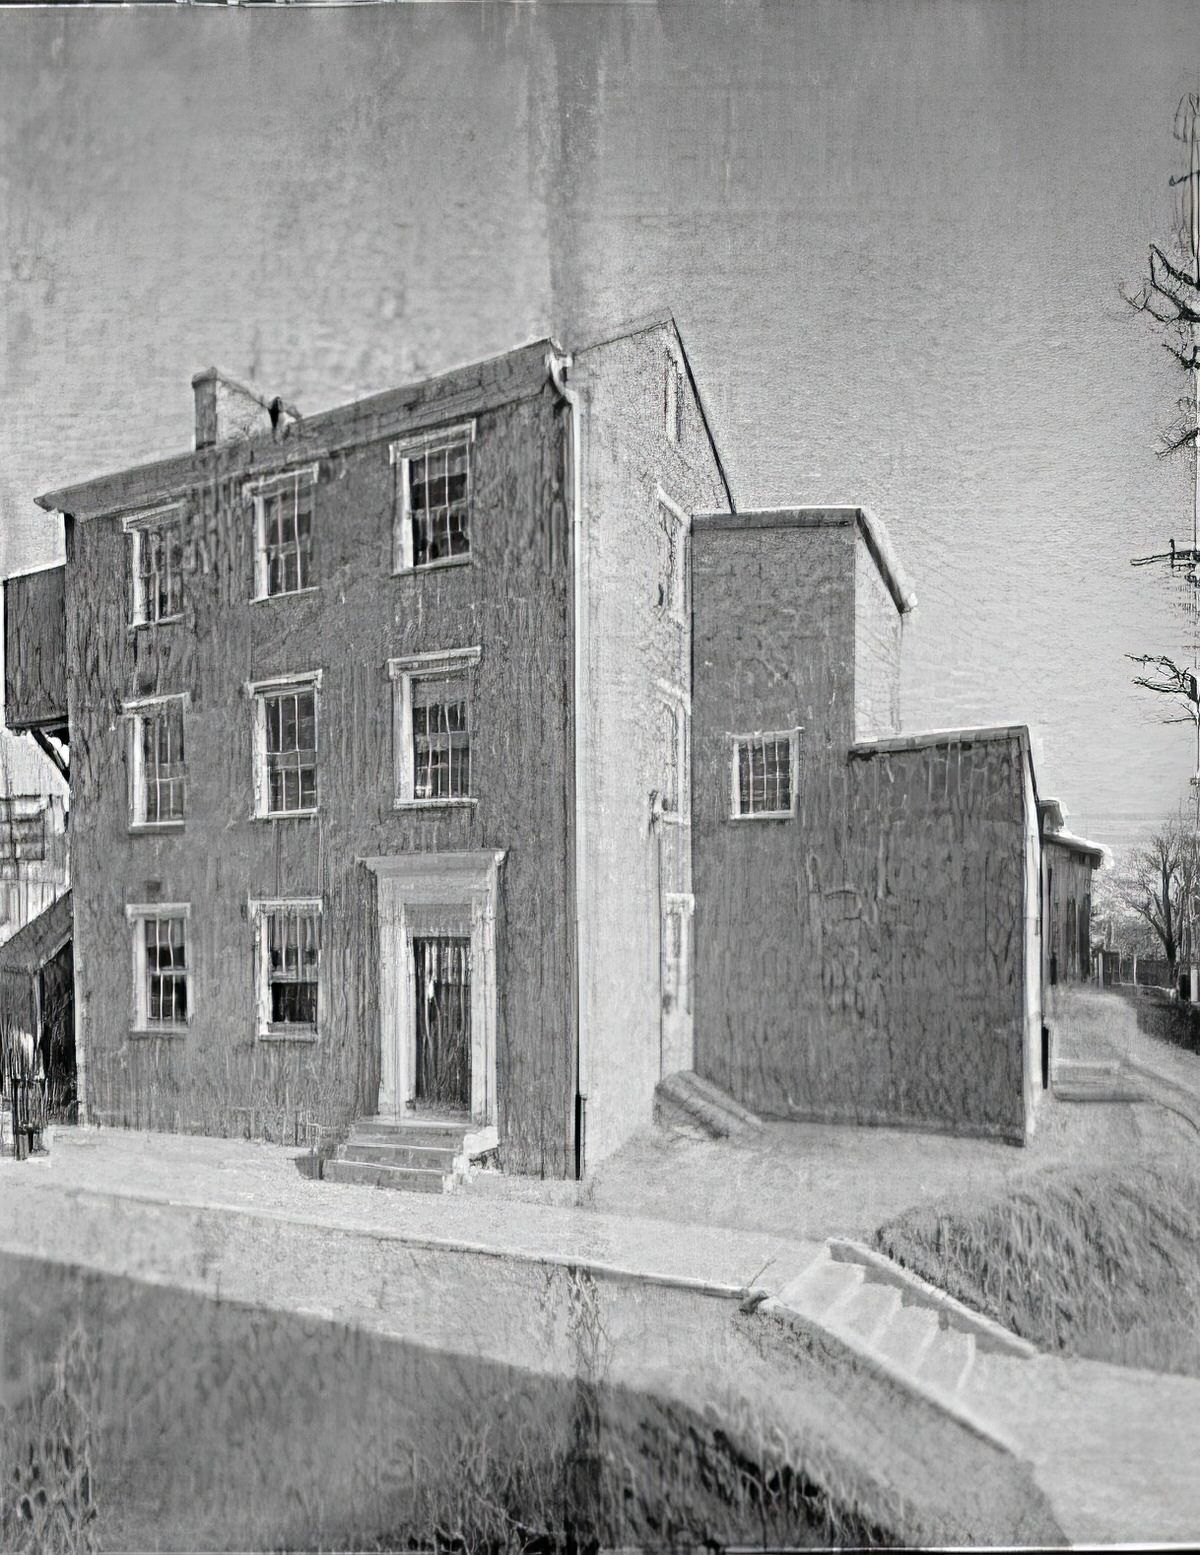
1097,1263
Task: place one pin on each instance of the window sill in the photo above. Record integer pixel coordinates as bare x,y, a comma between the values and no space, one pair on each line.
288,1034
265,599
766,815
147,626
141,828
284,815
141,1032
445,561
464,803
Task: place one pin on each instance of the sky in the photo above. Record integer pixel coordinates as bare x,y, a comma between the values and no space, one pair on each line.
892,233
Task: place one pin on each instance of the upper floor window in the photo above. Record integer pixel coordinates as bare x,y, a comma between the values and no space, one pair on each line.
283,527
156,565
433,498
765,773
432,703
285,745
157,764
287,962
162,987
675,528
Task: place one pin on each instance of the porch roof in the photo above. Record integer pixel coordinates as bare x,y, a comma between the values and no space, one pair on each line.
40,939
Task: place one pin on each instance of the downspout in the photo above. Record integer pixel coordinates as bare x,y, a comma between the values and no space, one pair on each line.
559,364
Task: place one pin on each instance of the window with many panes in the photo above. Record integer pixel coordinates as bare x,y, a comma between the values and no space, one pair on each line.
433,498
286,746
432,727
158,768
764,774
156,566
284,533
288,955
162,990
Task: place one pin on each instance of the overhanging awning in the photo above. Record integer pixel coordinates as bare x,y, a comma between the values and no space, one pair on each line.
40,940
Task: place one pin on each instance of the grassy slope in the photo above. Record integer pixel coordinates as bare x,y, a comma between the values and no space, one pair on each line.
1098,1263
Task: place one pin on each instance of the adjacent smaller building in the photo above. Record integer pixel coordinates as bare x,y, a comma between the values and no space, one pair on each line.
33,857
1068,863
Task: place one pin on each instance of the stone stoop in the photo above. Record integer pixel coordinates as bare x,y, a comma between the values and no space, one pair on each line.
418,1155
687,1099
1077,1080
913,1329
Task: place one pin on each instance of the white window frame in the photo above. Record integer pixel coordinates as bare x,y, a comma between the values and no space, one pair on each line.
762,736
137,713
135,525
270,486
402,673
677,592
260,910
400,453
677,702
136,914
259,691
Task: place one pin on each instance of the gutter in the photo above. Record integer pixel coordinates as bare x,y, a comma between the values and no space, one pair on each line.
558,364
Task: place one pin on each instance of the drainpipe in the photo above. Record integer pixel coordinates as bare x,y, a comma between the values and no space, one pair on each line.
559,365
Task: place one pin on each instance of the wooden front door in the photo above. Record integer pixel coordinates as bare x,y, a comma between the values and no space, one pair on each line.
442,964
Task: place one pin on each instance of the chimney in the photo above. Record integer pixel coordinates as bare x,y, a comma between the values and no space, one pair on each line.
227,412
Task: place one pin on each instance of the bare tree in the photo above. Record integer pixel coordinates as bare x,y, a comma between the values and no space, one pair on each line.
1159,880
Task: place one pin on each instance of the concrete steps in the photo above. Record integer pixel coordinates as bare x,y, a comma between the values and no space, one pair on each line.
687,1099
906,1327
419,1156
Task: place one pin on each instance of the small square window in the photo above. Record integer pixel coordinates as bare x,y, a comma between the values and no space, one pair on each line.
433,500
764,774
432,727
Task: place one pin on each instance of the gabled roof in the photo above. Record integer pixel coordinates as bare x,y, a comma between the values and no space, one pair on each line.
471,388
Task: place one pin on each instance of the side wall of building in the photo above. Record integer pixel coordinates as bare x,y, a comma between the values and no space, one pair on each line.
636,681
1068,887
511,601
878,631
865,959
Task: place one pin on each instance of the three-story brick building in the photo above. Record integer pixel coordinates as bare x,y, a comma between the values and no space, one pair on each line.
385,800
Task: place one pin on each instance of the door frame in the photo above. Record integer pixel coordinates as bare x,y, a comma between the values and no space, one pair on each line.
465,887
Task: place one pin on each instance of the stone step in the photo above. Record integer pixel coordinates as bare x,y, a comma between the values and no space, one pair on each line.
948,1360
908,1336
824,1287
426,1132
689,1099
871,1309
372,1174
438,1158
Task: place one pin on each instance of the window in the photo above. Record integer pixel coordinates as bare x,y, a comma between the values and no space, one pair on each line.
433,498
287,961
157,768
432,727
285,737
283,519
674,736
675,528
764,774
161,976
156,565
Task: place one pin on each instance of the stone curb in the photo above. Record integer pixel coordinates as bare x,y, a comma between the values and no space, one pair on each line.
889,1372
987,1333
750,1295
